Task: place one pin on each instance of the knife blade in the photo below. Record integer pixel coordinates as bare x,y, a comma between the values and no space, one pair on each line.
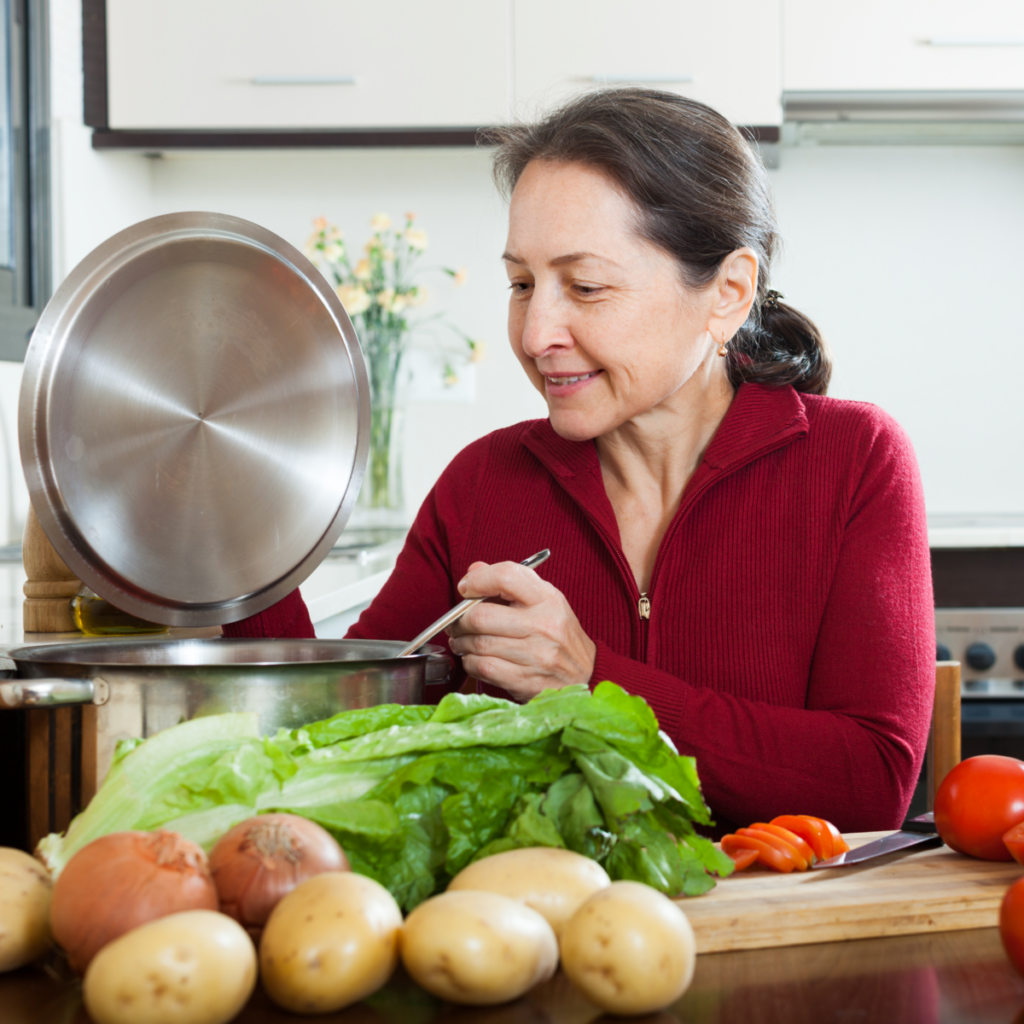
919,832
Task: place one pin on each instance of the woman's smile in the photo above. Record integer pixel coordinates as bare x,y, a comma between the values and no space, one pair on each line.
563,385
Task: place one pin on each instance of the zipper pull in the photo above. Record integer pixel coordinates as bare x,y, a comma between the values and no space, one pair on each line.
644,606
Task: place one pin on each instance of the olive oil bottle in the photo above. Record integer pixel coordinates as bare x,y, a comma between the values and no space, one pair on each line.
96,617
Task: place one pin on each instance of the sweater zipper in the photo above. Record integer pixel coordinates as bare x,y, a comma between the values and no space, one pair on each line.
645,602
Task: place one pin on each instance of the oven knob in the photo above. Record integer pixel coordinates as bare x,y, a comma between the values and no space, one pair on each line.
943,653
980,656
1018,656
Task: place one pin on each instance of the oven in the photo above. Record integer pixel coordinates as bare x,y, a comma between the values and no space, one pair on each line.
989,644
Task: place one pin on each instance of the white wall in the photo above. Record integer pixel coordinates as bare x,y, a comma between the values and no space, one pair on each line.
909,259
906,256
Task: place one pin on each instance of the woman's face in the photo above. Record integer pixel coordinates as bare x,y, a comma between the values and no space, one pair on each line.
599,317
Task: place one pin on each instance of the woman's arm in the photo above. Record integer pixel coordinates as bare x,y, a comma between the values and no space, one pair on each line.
288,618
854,751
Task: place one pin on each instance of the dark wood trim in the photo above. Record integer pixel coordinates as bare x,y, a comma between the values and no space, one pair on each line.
762,132
155,140
94,62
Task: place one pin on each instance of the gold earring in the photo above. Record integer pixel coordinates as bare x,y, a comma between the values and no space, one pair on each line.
721,347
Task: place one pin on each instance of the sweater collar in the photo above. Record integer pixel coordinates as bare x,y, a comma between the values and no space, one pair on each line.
759,418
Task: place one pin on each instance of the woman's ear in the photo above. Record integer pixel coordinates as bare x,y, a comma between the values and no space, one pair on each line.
734,291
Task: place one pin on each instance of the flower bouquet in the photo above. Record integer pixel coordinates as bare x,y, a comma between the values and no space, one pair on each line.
380,296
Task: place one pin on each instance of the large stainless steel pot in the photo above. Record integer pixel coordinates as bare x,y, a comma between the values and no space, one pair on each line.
141,687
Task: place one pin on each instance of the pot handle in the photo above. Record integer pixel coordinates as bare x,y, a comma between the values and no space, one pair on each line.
52,693
438,668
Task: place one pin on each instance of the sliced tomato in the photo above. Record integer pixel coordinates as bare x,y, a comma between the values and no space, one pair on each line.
743,858
802,846
1014,840
817,837
799,863
839,844
827,842
767,852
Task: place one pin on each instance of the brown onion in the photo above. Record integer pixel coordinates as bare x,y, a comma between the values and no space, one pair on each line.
121,881
261,860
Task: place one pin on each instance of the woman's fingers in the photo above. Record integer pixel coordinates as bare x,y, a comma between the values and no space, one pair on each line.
533,642
500,619
507,580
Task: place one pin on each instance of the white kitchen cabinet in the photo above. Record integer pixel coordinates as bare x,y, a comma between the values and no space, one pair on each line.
903,45
726,58
287,64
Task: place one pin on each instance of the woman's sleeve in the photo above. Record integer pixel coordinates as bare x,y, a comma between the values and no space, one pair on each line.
421,588
289,618
854,753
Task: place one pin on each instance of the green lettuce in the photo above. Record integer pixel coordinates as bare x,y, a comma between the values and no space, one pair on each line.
414,794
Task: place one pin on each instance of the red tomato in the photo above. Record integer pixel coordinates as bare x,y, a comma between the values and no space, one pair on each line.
1014,840
811,830
1011,923
767,852
787,851
839,844
743,858
801,845
979,801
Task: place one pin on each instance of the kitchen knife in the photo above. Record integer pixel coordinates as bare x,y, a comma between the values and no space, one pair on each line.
919,832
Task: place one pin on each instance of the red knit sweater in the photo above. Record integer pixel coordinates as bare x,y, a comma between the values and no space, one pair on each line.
790,645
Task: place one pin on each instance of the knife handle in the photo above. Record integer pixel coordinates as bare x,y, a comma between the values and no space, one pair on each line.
923,824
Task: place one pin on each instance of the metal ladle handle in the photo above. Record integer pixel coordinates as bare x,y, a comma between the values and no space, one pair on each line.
52,693
460,609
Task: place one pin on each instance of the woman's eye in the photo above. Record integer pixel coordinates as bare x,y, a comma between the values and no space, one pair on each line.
587,289
519,287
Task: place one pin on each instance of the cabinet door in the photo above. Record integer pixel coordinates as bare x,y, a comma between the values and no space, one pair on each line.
903,44
726,58
306,63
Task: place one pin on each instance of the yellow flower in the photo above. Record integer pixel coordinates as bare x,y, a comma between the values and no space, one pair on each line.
451,378
380,222
319,223
362,271
410,216
459,277
385,299
334,251
388,255
353,298
416,239
417,296
476,350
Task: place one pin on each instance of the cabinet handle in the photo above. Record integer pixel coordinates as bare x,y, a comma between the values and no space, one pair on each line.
639,79
974,41
304,80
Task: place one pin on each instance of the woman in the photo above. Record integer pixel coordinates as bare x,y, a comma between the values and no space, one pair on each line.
749,556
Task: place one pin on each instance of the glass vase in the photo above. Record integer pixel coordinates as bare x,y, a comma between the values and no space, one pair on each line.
381,501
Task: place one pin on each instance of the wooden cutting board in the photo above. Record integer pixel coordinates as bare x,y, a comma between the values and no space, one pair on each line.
902,894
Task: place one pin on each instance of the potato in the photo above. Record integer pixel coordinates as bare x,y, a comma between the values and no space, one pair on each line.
25,891
477,947
553,882
196,967
629,949
332,941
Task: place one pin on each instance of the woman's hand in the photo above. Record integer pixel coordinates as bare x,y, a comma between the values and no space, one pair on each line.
533,643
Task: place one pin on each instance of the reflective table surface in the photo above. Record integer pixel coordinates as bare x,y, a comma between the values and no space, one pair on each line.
940,978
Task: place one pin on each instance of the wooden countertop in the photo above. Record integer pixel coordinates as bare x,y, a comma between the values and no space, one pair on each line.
941,978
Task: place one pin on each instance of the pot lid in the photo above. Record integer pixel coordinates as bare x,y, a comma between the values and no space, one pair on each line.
193,419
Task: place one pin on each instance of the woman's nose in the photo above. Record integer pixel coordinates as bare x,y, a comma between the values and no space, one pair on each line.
545,326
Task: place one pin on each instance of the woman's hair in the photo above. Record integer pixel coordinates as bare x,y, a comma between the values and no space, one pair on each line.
701,192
